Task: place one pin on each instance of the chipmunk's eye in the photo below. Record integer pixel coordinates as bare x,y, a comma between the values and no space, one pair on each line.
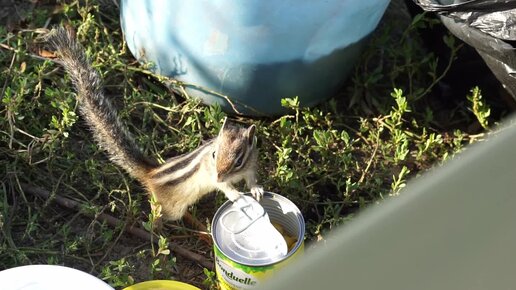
238,162
213,154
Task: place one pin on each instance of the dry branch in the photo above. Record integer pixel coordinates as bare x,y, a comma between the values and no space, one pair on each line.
112,221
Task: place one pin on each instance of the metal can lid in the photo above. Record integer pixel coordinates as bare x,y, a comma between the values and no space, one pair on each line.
243,232
243,213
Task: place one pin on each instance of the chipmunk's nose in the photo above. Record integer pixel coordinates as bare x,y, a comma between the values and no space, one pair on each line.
220,177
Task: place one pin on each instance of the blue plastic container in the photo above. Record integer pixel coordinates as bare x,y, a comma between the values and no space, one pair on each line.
248,55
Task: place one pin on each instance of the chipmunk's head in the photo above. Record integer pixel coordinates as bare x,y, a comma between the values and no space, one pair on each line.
234,150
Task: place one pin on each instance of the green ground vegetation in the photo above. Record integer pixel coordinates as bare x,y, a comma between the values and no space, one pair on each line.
354,150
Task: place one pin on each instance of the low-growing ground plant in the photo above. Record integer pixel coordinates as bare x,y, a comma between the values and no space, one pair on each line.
351,151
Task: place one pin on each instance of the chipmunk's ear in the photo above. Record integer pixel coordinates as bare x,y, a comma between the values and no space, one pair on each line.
251,131
225,125
230,123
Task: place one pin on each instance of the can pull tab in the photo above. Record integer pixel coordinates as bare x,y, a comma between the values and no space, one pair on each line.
251,230
243,213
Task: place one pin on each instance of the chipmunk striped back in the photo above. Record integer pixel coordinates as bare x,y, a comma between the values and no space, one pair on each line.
178,169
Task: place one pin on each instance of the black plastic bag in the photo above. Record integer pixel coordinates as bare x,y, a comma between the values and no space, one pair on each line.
489,26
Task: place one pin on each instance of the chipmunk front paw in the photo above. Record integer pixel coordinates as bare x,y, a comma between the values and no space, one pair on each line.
257,192
234,195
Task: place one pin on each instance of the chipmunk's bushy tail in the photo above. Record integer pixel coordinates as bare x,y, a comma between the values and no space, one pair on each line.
98,111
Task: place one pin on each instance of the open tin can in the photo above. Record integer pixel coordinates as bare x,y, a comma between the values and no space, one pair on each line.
244,267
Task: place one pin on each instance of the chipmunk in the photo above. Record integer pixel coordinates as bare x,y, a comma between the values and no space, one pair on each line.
180,181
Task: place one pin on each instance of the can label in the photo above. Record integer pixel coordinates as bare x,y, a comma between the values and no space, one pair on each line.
236,270
230,276
234,276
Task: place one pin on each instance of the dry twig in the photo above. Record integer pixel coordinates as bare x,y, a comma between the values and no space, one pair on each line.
112,221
